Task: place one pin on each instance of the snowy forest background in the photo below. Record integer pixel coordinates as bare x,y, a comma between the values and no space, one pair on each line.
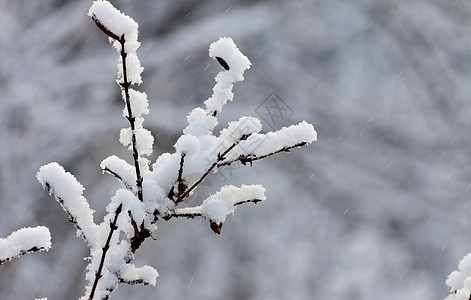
378,206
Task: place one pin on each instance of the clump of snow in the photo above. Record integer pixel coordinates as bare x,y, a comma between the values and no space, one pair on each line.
147,274
120,25
144,141
139,103
459,282
225,201
200,123
112,18
188,144
245,126
69,192
23,241
258,144
125,171
225,49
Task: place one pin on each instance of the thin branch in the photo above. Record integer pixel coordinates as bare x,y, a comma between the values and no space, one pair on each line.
139,234
104,28
72,219
249,158
127,185
187,213
181,185
105,249
135,154
255,201
220,158
21,253
133,282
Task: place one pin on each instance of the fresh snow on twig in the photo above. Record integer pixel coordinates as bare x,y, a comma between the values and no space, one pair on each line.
218,206
23,241
152,193
119,25
69,193
235,63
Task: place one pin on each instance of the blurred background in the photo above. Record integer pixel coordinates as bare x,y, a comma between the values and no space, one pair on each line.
378,208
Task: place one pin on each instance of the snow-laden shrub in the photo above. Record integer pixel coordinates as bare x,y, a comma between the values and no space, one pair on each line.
153,192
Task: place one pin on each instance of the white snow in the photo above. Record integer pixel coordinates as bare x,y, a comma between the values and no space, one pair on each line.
236,129
144,141
112,18
225,201
188,144
201,147
121,168
120,24
226,49
23,240
200,123
69,192
460,281
147,274
259,144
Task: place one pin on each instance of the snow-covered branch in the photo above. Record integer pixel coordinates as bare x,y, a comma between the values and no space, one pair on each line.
218,206
24,241
69,193
151,193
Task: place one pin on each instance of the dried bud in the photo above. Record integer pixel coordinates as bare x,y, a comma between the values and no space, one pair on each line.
216,227
223,63
105,29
